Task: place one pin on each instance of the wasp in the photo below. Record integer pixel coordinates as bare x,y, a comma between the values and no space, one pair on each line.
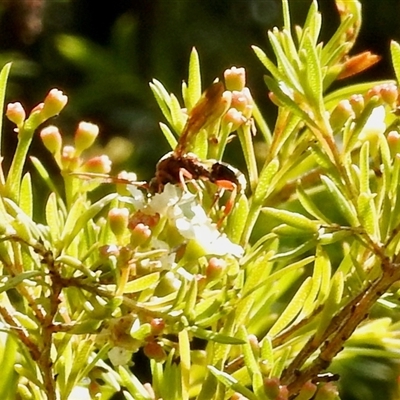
180,165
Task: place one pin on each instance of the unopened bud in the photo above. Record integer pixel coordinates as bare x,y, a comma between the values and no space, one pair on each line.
393,139
390,93
99,165
342,112
357,103
140,234
51,138
118,220
328,391
272,387
155,351
85,136
307,391
54,102
16,113
107,251
215,268
274,98
235,118
235,78
255,345
157,326
238,396
69,161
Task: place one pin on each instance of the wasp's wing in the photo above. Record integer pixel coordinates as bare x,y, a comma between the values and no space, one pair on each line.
205,111
105,178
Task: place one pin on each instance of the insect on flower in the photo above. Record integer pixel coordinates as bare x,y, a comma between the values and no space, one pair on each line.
179,166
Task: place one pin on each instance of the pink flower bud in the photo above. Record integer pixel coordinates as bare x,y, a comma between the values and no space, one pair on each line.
307,391
254,343
54,102
235,78
274,98
328,391
390,93
238,396
357,102
272,387
99,165
118,220
234,117
342,112
69,161
215,268
107,251
51,139
155,351
393,139
85,136
157,326
140,234
16,113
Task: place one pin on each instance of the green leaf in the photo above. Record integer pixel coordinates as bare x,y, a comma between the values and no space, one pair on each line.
232,383
177,116
163,99
345,207
268,64
171,139
53,217
3,84
332,304
78,217
26,195
8,358
364,168
309,205
293,219
313,84
290,79
336,41
142,283
312,25
237,219
46,177
266,175
185,364
80,359
287,101
11,283
395,52
194,80
292,309
367,213
213,336
133,385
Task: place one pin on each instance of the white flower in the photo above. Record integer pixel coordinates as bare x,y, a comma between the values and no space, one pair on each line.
375,125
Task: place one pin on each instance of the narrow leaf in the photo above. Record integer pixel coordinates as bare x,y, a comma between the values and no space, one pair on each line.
344,206
194,80
293,219
184,352
395,52
292,309
3,84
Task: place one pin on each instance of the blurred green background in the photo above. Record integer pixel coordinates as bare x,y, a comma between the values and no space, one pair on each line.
103,55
